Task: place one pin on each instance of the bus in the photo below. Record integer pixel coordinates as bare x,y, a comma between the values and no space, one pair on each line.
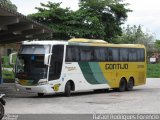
78,65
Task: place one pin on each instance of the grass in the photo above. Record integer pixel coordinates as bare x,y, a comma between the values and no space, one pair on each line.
153,70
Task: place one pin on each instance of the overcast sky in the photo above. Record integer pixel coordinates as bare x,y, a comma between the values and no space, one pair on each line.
145,12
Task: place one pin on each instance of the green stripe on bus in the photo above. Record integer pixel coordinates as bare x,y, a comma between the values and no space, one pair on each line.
87,72
97,72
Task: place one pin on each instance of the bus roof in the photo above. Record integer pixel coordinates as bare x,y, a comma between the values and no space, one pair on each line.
44,42
81,42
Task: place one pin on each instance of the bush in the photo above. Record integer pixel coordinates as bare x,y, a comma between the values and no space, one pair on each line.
5,63
8,76
153,70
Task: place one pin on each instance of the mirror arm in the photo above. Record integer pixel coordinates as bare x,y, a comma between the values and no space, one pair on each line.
11,58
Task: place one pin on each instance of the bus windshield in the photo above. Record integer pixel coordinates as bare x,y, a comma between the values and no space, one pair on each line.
31,66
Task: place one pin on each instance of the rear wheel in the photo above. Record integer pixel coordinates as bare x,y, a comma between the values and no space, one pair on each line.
67,91
1,111
130,84
40,94
122,85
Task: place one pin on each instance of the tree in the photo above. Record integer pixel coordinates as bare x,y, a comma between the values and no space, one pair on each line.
100,19
8,4
104,17
157,45
55,17
135,35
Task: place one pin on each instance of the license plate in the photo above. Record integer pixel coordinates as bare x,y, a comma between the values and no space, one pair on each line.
28,88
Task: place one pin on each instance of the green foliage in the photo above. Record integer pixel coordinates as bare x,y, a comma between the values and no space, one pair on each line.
55,17
153,70
157,45
8,76
110,14
8,4
5,63
100,19
135,35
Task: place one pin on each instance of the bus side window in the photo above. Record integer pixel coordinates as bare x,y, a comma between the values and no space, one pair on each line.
72,54
132,54
100,54
75,54
86,54
140,55
110,55
113,54
123,54
68,54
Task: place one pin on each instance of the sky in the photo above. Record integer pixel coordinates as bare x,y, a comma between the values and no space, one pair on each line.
145,12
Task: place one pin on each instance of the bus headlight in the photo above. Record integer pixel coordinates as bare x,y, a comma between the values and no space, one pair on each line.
42,82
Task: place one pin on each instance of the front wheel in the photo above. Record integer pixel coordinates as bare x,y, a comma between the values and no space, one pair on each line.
67,91
1,111
122,85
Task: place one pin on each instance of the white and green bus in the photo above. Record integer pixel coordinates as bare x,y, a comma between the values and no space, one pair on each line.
78,65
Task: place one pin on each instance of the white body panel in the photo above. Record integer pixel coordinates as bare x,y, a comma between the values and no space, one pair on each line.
70,71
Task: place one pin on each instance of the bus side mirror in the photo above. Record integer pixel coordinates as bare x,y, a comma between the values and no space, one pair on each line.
46,59
11,62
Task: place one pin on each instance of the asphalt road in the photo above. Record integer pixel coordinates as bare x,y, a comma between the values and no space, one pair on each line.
143,99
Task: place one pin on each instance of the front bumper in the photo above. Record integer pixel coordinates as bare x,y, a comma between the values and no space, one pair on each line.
35,89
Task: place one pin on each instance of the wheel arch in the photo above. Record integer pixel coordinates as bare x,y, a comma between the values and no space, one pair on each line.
124,79
72,85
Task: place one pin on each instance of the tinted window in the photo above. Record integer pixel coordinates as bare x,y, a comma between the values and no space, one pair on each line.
56,62
100,54
113,54
140,54
132,54
94,54
72,53
86,54
123,54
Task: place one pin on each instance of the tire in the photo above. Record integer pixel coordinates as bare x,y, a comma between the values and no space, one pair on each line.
130,85
67,91
1,111
40,94
122,85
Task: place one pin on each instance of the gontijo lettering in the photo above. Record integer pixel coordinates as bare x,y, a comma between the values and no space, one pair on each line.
116,66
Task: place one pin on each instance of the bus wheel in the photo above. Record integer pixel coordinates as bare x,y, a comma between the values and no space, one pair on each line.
1,111
122,85
67,91
130,84
40,94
